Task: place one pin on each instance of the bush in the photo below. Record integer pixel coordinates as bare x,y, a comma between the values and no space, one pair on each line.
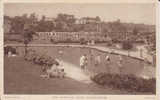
53,41
126,82
40,59
109,44
126,45
83,41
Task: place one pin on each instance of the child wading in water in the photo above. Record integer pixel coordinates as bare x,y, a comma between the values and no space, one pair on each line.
83,61
107,63
97,60
120,67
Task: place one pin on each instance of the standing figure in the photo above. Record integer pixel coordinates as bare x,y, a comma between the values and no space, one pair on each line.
83,62
145,63
9,53
120,61
107,63
91,56
97,60
141,53
60,54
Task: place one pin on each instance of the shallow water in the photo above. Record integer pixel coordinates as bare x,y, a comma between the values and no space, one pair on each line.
71,56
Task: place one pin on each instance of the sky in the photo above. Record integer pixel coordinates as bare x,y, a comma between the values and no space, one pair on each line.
131,13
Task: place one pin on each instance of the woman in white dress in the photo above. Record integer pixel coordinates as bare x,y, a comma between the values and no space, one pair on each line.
83,62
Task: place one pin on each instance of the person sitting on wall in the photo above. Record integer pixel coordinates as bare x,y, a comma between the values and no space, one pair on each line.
9,53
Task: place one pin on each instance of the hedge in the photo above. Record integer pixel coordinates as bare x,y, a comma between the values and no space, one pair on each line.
126,45
40,59
126,82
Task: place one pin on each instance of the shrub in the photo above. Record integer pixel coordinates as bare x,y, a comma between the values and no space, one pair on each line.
126,45
40,59
83,41
109,44
53,41
126,82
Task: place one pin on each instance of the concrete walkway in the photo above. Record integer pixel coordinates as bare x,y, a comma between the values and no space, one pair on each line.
74,72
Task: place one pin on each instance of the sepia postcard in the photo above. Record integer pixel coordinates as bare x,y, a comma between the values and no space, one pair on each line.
79,50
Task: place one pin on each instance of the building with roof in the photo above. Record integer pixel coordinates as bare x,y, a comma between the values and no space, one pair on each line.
88,20
73,36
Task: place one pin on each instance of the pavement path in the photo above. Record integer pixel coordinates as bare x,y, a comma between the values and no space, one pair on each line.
74,72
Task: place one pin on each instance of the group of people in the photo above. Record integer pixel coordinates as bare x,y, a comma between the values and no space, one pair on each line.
10,51
55,71
96,60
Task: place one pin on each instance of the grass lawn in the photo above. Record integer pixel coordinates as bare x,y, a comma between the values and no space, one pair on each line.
22,77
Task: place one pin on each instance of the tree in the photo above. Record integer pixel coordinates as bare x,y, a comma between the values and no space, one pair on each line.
127,45
43,18
78,27
33,18
28,37
98,18
65,22
45,26
135,31
17,25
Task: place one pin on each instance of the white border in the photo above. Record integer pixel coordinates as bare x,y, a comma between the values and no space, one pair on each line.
79,97
83,1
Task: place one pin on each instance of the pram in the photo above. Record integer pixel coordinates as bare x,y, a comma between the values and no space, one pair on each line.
55,72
